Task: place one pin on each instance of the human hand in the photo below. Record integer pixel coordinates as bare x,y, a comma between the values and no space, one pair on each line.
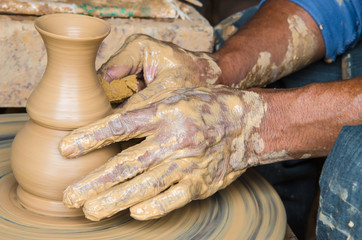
162,66
197,141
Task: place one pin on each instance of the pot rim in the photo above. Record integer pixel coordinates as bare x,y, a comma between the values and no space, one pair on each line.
41,30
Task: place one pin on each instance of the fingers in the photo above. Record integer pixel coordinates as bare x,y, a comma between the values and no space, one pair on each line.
176,197
125,165
139,189
109,71
128,60
114,128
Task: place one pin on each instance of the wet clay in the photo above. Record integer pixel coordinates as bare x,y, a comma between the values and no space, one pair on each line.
301,47
68,96
197,142
247,209
164,65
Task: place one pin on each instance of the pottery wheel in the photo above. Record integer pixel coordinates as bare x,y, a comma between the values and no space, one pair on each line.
247,209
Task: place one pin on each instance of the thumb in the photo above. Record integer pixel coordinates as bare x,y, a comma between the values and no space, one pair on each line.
130,58
121,64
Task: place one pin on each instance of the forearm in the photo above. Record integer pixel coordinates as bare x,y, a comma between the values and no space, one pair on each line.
280,39
305,122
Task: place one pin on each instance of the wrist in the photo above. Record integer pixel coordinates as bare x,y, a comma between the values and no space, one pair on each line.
305,122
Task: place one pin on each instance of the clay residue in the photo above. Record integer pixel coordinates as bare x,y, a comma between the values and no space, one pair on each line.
272,157
257,143
165,67
301,47
306,155
226,26
197,142
246,139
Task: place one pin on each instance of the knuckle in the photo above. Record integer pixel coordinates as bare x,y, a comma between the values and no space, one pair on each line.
115,125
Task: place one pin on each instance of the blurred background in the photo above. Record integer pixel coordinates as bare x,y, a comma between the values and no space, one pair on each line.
217,10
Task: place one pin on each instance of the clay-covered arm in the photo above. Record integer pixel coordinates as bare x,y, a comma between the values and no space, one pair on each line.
279,39
282,37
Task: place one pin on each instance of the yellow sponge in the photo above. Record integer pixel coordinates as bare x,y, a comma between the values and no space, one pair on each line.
118,90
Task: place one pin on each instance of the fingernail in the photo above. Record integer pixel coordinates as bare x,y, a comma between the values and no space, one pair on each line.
66,149
106,77
71,198
109,74
139,211
93,210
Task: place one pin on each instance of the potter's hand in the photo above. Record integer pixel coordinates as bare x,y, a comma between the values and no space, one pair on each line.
197,142
162,65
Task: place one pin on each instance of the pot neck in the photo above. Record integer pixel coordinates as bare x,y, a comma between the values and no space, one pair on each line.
71,55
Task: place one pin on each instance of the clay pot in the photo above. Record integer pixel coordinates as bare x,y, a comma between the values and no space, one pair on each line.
67,97
69,94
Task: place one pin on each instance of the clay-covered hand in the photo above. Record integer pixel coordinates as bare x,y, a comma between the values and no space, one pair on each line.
161,65
197,141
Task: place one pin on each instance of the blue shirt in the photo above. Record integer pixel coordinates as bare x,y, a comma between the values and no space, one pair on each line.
340,22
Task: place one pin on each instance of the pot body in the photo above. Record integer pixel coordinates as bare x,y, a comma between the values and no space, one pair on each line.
40,169
67,97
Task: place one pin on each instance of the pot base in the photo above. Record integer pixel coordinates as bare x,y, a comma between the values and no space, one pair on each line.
45,206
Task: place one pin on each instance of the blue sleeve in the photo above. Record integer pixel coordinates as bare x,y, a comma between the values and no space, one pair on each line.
340,22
